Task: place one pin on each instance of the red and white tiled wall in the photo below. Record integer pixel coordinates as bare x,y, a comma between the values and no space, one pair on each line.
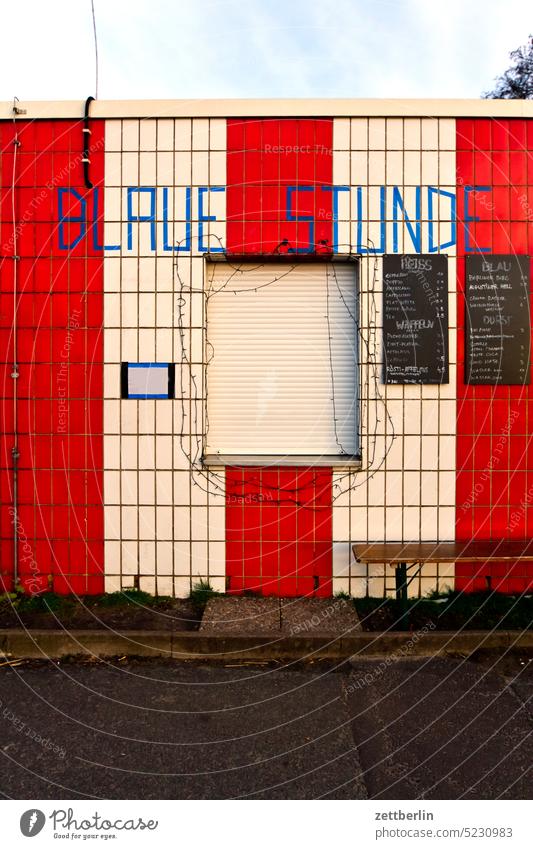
112,493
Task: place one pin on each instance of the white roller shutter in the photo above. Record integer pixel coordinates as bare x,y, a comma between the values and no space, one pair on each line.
282,378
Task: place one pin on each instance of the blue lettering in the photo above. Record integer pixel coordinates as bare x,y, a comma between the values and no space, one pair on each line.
80,219
133,219
468,218
335,210
432,191
290,217
201,218
415,234
382,212
188,225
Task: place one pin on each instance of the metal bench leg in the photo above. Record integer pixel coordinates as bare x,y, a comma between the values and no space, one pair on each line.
401,582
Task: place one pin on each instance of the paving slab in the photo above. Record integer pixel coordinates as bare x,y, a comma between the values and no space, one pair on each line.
242,615
318,616
286,616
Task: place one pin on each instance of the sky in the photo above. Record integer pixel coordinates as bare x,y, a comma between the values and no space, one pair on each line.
258,48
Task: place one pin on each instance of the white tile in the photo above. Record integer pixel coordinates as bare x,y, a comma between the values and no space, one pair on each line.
113,135
147,134
411,451
111,416
147,584
447,482
128,452
341,168
359,134
376,134
430,168
341,558
129,522
164,559
393,523
394,131
165,173
200,168
430,133
376,168
447,168
182,168
112,556
163,452
393,488
359,175
146,487
341,134
217,558
341,523
113,169
447,523
430,417
200,134
217,169
165,585
130,169
146,346
447,134
376,523
182,134
411,133
111,487
147,169
412,168
147,529
394,168
163,487
217,134
165,134
111,452
447,452
199,560
164,522
146,450
112,583
429,488
411,524
128,480
129,557
182,523
429,530
182,587
112,523
217,523
341,585
430,452
218,584
146,413
130,135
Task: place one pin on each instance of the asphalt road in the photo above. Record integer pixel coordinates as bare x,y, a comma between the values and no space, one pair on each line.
440,728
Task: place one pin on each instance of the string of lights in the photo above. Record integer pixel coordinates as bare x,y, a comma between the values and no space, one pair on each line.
211,481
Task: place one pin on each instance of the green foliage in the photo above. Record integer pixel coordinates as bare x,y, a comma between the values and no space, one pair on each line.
517,82
451,610
201,592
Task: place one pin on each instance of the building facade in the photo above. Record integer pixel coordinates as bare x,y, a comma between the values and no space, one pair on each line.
237,337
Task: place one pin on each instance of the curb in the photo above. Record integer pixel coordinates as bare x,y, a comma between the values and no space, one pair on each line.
57,645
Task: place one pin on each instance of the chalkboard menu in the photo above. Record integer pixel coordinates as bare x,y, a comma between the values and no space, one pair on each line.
415,318
497,319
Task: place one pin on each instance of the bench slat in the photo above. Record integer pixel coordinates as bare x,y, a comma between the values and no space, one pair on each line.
443,552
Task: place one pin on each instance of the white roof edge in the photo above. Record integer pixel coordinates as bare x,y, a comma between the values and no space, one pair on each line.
323,107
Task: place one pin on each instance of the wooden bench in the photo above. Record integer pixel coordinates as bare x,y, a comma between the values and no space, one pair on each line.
404,554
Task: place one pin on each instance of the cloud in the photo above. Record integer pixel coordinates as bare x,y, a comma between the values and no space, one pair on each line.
286,48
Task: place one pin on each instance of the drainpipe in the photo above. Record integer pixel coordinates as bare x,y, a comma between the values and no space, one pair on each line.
86,138
15,372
